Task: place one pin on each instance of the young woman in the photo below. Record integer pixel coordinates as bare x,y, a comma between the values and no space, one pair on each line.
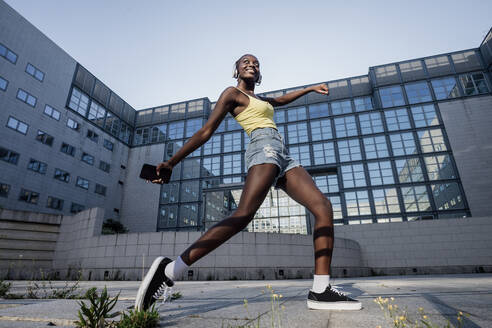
268,163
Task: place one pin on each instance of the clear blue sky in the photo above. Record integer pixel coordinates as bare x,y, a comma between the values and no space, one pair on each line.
159,52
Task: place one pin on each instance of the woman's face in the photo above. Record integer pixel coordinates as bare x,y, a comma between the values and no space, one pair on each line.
249,68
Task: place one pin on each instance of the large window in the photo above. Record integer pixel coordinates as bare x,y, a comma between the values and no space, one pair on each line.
321,129
397,119
212,146
189,191
345,126
232,164
34,72
409,170
176,130
353,176
424,116
61,175
296,114
370,123
301,154
9,156
445,88
192,126
357,203
97,113
418,92
67,149
211,166
51,112
297,132
170,193
232,142
415,198
37,166
431,140
82,183
29,196
324,153
380,173
375,147
349,150
326,183
26,97
168,216
403,144
391,96
4,190
17,125
8,54
89,159
3,84
79,102
341,107
318,110
45,138
386,201
54,203
191,168
439,167
363,103
447,196
474,84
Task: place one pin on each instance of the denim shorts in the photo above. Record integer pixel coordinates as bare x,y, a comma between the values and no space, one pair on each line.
267,146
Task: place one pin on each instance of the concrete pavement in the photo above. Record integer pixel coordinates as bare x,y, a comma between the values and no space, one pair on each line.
222,303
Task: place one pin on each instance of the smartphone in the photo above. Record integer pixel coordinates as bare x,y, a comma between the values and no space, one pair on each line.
149,172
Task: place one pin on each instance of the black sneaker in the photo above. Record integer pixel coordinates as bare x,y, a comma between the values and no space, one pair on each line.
331,299
154,284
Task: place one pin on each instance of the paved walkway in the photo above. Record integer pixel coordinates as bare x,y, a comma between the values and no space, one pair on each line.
221,303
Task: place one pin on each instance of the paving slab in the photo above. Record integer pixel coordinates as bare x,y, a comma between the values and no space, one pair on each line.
249,303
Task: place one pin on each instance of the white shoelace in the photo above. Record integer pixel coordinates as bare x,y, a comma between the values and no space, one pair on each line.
333,288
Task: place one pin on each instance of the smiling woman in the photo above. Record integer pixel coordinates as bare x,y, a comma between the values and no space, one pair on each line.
269,163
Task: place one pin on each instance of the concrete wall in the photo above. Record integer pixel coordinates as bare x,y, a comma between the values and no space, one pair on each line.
27,243
246,256
140,205
468,123
417,247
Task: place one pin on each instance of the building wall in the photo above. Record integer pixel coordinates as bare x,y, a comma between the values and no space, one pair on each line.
431,246
27,243
32,46
140,205
468,123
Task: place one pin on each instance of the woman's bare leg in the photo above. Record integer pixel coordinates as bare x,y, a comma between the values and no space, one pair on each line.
299,185
258,182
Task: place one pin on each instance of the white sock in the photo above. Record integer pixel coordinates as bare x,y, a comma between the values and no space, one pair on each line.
320,282
175,268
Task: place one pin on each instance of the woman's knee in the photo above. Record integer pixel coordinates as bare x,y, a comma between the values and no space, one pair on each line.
322,206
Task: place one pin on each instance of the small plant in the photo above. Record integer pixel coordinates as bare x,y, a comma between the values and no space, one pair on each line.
175,296
400,318
111,227
139,319
95,314
4,288
44,289
276,312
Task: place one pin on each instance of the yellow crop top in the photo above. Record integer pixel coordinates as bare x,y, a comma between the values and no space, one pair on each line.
258,114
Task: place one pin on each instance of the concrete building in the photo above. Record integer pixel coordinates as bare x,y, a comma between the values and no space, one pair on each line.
408,141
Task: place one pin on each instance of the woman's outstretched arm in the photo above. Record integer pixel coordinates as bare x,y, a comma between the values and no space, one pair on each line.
225,104
291,96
